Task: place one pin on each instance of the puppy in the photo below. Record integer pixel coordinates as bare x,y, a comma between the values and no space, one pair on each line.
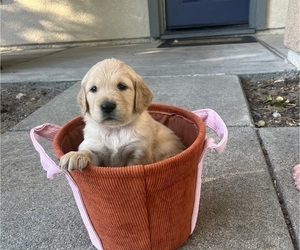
118,131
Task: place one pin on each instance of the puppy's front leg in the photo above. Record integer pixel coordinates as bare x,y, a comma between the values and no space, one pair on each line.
77,160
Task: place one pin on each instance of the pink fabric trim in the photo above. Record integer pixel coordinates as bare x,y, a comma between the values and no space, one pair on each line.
48,131
215,122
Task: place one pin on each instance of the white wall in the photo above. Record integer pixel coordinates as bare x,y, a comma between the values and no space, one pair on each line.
276,13
50,21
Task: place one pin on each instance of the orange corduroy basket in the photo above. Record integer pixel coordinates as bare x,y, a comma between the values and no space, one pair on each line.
151,206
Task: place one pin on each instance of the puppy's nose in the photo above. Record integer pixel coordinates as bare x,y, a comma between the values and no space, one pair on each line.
108,107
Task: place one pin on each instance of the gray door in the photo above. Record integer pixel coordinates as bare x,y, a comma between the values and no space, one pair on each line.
201,13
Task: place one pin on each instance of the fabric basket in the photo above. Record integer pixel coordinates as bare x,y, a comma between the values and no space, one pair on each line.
151,206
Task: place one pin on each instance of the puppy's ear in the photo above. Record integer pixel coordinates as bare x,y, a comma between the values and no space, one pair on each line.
82,101
143,95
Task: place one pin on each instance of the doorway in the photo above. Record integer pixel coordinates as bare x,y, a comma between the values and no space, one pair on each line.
205,13
171,19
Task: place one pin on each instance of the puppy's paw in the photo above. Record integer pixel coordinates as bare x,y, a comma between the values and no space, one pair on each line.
74,160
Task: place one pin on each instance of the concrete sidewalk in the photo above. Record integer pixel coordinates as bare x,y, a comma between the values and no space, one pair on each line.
248,199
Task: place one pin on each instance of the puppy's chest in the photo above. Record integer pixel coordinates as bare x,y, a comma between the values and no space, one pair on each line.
118,149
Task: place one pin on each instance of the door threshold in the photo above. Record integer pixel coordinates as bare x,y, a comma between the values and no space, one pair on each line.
195,33
170,43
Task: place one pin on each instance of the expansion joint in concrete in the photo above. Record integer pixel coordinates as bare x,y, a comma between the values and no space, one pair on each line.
270,48
278,191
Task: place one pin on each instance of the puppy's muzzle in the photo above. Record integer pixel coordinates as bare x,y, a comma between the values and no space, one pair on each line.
108,107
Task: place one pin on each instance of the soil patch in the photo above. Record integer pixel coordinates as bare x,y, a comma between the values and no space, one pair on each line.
274,102
20,100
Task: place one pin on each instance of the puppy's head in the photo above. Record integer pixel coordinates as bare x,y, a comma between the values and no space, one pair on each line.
113,94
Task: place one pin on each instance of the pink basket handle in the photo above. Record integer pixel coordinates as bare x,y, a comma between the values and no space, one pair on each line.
215,122
47,131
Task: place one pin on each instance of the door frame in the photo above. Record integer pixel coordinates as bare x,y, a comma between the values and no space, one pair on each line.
157,21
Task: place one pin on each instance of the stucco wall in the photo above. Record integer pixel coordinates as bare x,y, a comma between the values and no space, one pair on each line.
276,13
292,31
50,21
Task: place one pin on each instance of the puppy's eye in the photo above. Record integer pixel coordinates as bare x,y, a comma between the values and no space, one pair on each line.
122,86
93,89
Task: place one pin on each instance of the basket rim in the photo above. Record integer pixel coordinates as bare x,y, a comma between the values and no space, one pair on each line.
196,146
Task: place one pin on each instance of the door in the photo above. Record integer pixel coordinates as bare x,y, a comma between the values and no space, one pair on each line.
201,13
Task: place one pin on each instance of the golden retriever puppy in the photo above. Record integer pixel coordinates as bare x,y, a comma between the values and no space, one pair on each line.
118,131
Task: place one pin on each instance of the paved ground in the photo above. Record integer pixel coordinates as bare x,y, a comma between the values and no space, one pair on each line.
248,200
